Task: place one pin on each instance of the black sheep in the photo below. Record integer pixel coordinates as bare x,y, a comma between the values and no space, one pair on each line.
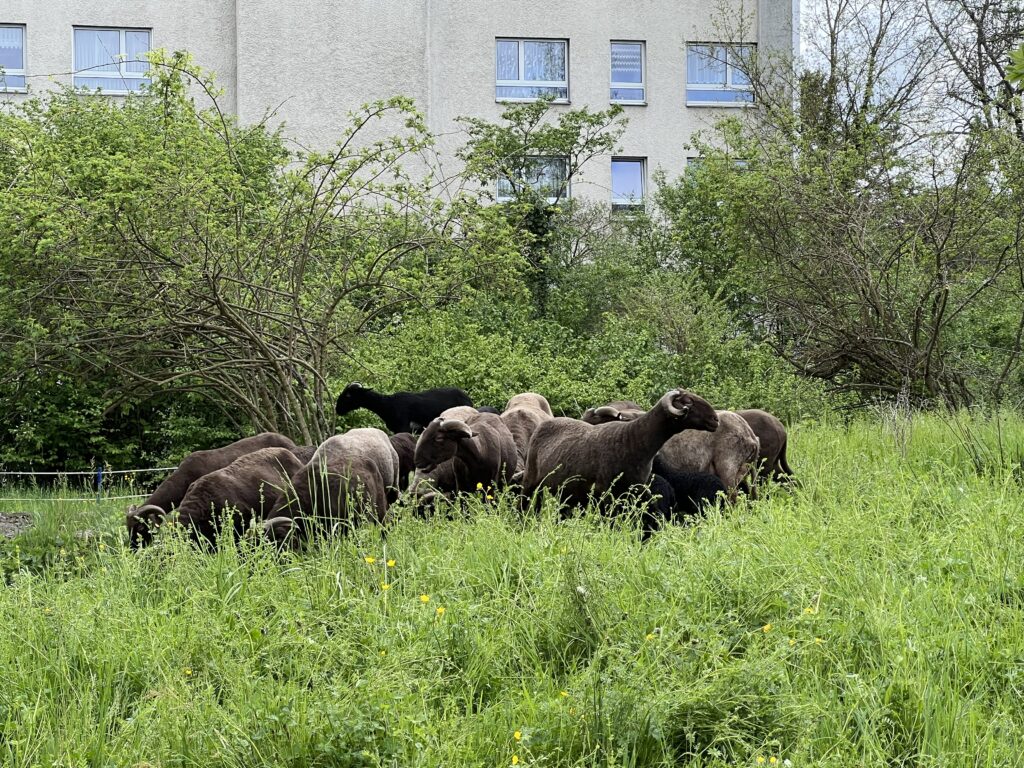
402,411
694,491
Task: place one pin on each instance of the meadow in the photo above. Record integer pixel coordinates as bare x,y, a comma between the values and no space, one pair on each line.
871,616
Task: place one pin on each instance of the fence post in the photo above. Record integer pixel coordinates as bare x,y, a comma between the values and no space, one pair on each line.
99,483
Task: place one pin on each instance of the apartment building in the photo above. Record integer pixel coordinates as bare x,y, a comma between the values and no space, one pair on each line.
309,62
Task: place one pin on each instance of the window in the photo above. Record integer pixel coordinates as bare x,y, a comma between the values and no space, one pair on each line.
716,75
529,69
12,57
628,73
548,176
111,59
627,183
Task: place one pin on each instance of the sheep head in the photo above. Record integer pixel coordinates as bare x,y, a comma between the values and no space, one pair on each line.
690,411
440,442
607,413
142,522
350,398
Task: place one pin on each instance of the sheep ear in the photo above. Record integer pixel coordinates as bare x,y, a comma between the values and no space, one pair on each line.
608,412
354,385
456,428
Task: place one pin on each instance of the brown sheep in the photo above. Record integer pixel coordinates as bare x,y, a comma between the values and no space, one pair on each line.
730,453
243,491
522,415
404,444
479,450
171,491
350,476
579,460
771,433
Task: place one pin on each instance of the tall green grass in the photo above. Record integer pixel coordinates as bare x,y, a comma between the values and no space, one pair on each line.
871,616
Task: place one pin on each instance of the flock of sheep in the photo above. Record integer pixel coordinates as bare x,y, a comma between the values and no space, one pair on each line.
677,457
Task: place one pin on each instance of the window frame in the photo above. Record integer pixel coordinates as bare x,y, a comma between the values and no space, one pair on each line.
23,72
520,83
642,85
121,76
566,186
731,50
626,205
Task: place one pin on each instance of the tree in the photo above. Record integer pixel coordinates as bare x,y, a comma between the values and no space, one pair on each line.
164,248
535,158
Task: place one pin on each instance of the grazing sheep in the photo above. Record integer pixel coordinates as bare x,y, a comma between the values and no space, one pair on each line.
619,410
522,415
402,411
241,491
459,454
580,459
771,457
404,444
172,490
730,453
350,476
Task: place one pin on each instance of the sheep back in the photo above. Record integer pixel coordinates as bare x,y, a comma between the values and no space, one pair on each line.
243,490
350,476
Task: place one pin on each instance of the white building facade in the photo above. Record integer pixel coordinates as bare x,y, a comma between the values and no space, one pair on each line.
309,63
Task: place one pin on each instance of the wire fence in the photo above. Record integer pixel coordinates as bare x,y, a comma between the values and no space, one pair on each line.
97,476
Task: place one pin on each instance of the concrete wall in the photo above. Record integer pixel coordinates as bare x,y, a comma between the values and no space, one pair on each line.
307,63
205,27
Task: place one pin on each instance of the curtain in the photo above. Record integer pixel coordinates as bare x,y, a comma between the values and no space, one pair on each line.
543,60
508,60
136,43
627,63
12,47
705,64
96,50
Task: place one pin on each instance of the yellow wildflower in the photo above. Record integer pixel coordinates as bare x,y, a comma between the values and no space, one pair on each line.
424,598
563,693
440,610
369,560
773,760
650,635
518,735
383,653
391,563
767,627
385,586
188,671
818,641
489,497
760,759
515,759
479,486
792,642
809,610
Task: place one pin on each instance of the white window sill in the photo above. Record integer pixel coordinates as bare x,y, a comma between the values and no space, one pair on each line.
723,104
529,101
628,103
13,90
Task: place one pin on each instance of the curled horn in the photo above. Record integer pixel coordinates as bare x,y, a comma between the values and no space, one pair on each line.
608,412
670,403
456,428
